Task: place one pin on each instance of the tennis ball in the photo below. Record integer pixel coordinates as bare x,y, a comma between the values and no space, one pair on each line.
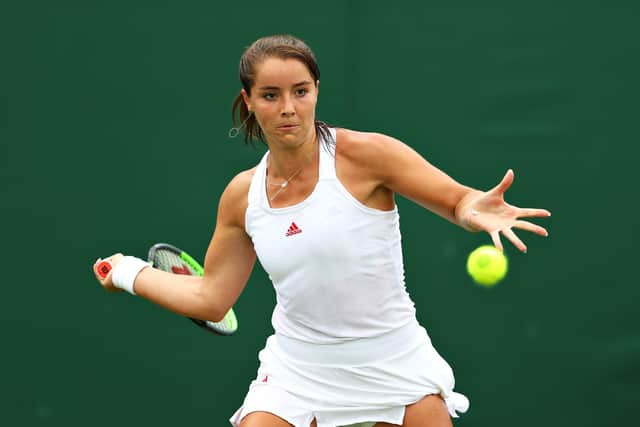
487,265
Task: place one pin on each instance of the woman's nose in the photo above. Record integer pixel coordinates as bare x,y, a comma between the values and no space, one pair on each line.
287,107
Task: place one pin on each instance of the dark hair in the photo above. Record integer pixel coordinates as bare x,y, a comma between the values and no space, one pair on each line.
279,46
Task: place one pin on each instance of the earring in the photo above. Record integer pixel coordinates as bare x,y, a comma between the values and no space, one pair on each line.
233,132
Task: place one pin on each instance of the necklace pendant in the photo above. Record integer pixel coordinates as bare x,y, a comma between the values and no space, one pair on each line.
284,184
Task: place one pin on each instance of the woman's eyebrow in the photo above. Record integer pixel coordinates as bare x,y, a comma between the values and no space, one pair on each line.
302,83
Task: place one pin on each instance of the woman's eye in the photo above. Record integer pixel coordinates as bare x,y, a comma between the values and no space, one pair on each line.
269,95
301,92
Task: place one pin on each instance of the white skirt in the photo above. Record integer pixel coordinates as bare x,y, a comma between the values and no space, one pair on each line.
362,381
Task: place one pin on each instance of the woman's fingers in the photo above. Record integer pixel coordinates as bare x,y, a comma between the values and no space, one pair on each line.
528,226
509,234
495,238
513,238
506,182
533,213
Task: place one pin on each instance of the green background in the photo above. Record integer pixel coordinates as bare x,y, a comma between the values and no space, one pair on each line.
113,136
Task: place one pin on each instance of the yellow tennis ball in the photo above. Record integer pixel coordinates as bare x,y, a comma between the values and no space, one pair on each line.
487,265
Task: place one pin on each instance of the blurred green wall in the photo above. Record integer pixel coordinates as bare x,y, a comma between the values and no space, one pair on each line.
113,136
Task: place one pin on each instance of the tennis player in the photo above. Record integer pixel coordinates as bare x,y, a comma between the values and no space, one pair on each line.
318,211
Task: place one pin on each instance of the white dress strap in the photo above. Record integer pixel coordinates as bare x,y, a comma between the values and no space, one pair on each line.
327,150
256,189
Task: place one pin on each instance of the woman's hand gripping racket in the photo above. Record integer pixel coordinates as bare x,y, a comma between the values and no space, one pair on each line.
173,260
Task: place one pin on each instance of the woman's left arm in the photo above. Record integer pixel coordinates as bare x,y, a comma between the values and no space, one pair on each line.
404,171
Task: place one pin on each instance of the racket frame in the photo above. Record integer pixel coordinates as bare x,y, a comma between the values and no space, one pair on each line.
208,325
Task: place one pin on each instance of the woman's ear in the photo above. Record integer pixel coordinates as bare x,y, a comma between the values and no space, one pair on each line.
246,99
318,86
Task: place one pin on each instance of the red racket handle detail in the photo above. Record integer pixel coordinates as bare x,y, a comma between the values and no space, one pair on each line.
104,268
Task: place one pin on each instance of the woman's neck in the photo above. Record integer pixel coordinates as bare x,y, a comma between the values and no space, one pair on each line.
287,160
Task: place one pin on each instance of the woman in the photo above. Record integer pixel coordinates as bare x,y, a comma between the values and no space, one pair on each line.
319,213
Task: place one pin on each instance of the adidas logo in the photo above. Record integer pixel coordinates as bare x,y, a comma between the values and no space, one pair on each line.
293,229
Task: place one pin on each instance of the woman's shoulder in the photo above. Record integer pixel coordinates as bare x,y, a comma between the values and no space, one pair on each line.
234,200
356,145
239,184
237,191
351,136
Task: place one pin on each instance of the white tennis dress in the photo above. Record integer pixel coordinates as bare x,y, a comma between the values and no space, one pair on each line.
347,347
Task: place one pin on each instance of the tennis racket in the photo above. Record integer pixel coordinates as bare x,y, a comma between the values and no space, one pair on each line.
173,260
104,268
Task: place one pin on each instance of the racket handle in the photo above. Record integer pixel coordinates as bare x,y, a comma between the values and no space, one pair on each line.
104,268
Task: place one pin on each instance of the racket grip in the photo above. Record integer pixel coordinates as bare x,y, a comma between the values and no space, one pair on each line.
104,268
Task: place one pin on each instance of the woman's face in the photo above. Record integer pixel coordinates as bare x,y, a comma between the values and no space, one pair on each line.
283,99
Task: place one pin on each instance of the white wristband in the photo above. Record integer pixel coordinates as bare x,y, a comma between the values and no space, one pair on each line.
125,273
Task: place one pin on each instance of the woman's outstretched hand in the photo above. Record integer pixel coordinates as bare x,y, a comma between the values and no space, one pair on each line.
488,211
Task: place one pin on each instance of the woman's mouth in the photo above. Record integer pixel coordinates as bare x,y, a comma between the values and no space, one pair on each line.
287,127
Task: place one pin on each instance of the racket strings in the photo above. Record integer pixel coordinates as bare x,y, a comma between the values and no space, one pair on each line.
171,262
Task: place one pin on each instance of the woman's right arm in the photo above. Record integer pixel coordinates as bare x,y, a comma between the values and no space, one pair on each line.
228,264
